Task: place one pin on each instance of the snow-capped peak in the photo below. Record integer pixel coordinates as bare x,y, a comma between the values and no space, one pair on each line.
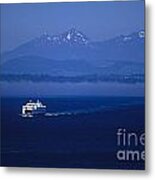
134,36
74,36
71,37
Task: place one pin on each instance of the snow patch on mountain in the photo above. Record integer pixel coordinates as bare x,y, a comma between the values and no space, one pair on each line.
69,36
141,34
126,38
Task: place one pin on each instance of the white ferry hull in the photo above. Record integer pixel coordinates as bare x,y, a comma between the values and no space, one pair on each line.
32,108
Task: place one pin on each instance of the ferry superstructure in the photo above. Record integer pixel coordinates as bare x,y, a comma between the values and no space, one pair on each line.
33,108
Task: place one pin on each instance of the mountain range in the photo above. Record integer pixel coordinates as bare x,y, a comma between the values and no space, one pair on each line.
72,53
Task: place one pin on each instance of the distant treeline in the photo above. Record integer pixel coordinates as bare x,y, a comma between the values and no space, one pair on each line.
132,78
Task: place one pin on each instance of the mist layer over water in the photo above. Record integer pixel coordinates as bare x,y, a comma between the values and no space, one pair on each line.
50,89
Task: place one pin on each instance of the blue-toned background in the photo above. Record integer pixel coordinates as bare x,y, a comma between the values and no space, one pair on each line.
85,61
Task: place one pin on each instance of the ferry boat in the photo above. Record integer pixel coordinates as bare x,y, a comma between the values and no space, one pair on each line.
33,108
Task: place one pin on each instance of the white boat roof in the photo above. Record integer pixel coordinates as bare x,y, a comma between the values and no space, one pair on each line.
38,103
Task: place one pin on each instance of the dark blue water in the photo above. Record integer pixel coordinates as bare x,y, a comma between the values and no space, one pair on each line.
83,137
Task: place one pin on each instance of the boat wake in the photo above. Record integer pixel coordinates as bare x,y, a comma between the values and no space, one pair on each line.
64,113
75,112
